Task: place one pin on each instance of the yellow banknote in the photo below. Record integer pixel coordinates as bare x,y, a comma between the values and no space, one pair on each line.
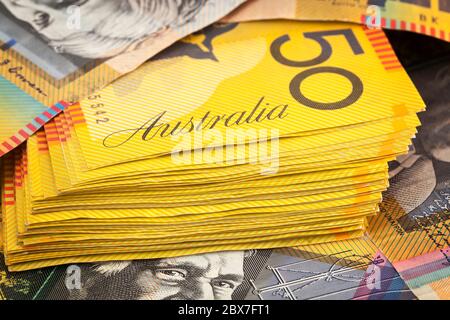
413,228
167,106
15,248
84,47
429,17
149,255
328,144
144,167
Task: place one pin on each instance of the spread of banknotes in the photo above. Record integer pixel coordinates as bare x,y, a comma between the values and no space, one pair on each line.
274,152
429,17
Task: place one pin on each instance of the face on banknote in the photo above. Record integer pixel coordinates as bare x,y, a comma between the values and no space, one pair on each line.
59,52
420,180
205,276
406,245
108,28
51,45
352,269
413,227
426,169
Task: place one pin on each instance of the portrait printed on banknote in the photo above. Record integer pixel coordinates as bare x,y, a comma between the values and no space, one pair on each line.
348,270
212,276
282,274
60,36
420,181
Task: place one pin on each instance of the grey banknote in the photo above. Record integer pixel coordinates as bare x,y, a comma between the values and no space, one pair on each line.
284,274
413,227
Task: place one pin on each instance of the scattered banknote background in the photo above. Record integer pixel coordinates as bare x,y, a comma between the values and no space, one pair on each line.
421,16
403,255
57,55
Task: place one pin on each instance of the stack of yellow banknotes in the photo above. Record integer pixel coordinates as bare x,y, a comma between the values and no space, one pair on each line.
251,135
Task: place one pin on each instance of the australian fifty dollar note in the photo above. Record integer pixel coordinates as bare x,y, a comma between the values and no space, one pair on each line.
60,53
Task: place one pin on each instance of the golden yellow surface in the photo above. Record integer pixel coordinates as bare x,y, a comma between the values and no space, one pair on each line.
99,182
